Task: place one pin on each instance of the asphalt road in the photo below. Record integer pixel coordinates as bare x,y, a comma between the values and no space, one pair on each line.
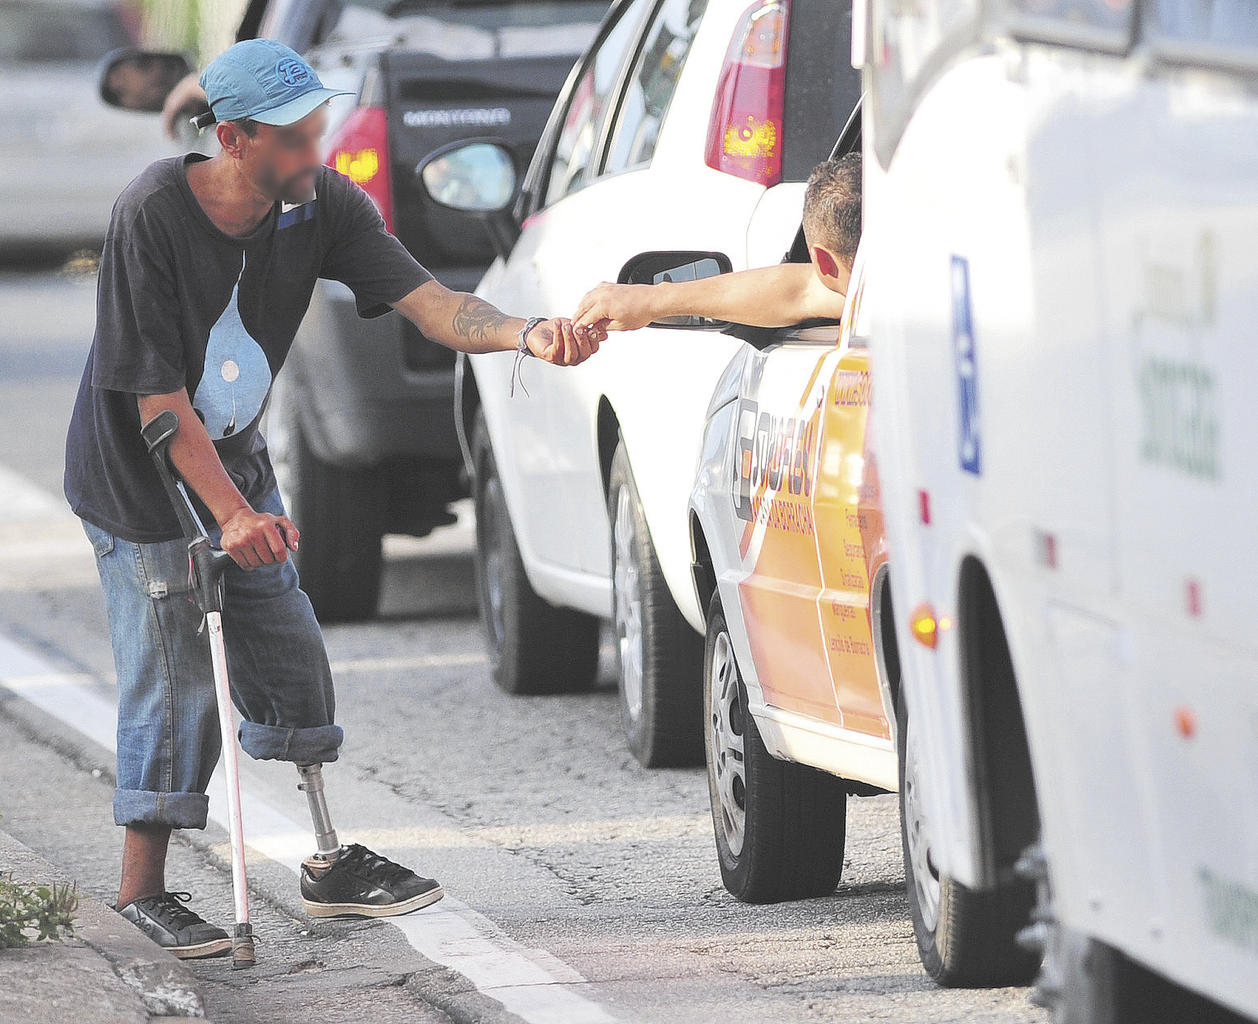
581,887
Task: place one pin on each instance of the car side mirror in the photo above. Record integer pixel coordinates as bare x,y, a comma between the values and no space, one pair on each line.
476,177
141,79
472,177
663,266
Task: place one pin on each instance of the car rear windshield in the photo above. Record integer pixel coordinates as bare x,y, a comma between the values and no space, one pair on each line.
465,29
36,33
491,15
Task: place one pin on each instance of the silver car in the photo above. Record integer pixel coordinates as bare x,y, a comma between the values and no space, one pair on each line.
64,155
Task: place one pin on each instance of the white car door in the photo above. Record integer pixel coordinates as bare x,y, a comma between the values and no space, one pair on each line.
653,192
542,455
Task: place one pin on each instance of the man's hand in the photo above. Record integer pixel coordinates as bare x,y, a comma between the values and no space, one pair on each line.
617,307
259,538
467,323
561,342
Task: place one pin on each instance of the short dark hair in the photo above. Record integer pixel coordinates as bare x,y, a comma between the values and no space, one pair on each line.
832,206
246,124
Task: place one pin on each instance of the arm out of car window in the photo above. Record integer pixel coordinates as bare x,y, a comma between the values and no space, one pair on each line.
778,296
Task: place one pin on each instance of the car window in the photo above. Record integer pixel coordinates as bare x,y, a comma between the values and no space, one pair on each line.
1231,22
34,33
521,28
588,102
652,83
491,13
912,41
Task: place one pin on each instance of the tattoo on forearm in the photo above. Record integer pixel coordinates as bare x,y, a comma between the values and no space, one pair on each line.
476,320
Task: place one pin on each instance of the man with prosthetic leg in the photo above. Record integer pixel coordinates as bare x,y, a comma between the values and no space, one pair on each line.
207,270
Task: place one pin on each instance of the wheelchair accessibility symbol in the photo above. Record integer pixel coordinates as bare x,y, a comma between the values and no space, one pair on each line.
970,443
292,72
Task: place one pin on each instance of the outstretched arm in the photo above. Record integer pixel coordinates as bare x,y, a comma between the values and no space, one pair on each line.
470,324
766,297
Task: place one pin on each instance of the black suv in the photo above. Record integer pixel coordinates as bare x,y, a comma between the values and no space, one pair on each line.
361,424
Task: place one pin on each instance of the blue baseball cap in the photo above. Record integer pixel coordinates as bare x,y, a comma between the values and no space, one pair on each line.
264,81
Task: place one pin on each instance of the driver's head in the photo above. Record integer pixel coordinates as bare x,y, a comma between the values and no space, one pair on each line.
832,219
269,106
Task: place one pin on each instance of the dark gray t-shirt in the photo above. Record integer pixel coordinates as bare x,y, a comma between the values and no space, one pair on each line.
181,304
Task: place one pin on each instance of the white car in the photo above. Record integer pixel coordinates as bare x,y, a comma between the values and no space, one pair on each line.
1062,286
688,124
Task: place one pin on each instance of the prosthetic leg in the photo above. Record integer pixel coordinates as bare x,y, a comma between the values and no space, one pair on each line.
352,881
329,847
206,573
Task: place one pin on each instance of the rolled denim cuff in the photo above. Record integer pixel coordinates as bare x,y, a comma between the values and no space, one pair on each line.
177,810
317,744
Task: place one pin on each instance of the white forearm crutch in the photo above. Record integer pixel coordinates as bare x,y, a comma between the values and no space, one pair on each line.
207,565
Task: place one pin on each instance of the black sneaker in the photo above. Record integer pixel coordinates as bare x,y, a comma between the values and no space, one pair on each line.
360,883
165,920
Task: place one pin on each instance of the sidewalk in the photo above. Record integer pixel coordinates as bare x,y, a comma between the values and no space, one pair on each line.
108,973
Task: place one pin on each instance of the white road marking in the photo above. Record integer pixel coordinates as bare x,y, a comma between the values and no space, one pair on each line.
23,500
531,983
401,664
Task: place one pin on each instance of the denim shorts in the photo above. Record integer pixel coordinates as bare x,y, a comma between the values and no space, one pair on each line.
168,733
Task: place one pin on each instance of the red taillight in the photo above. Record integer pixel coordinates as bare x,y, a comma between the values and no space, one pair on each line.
745,133
360,151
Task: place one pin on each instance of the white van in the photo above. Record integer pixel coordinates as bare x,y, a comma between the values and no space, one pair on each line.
1062,288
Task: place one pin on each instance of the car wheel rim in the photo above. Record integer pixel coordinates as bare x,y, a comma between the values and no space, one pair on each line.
925,878
495,519
628,606
728,766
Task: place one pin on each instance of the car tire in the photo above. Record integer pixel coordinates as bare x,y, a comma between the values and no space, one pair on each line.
340,513
1085,981
534,646
1099,985
965,939
660,655
780,827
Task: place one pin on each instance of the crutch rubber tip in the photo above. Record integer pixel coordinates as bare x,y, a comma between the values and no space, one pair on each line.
243,954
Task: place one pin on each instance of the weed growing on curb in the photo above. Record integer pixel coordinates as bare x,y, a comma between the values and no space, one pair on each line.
38,912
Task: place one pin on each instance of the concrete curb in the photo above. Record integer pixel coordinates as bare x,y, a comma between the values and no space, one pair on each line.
160,985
